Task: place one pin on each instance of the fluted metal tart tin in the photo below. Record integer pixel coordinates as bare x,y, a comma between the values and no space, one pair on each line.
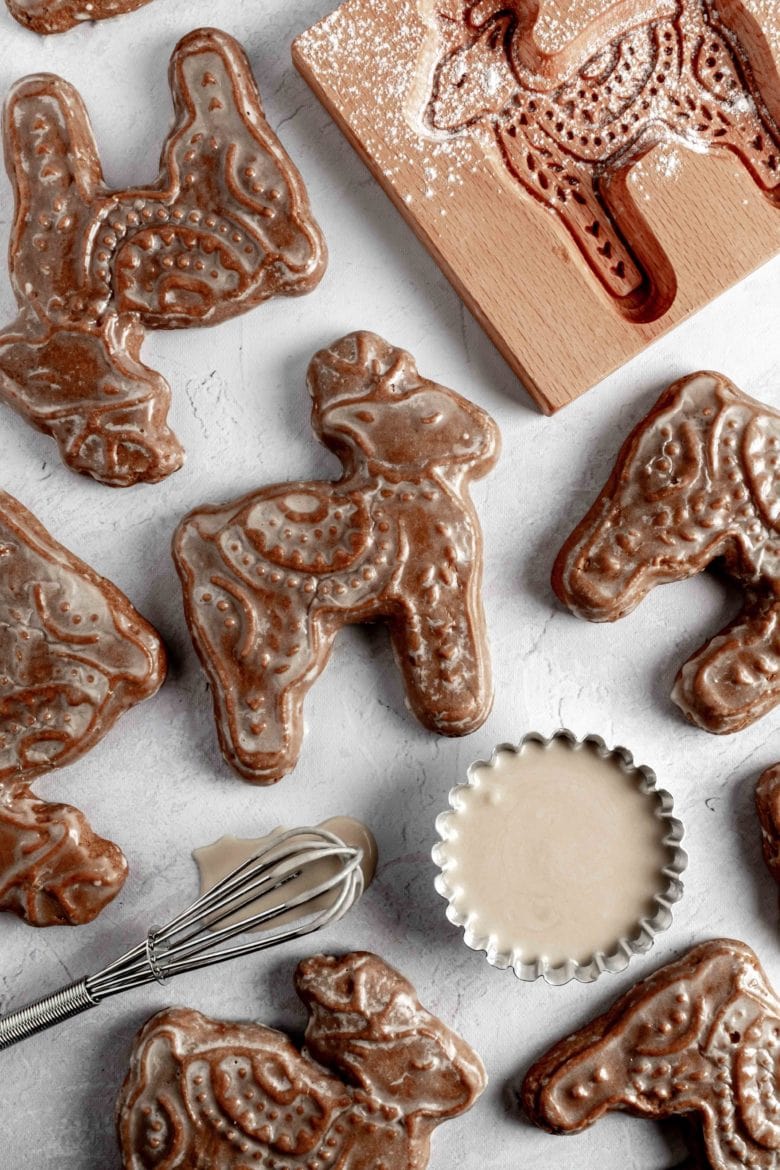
520,957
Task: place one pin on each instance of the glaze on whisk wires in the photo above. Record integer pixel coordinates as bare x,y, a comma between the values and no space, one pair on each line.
196,937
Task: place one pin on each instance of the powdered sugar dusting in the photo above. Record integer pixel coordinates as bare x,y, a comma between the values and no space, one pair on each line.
390,118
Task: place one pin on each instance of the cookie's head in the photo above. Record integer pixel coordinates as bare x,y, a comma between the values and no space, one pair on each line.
671,505
366,1022
372,406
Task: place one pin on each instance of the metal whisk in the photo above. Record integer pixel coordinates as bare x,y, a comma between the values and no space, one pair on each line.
193,938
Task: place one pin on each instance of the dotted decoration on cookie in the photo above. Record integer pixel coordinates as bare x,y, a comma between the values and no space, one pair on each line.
226,226
269,580
700,1037
378,1074
74,655
697,480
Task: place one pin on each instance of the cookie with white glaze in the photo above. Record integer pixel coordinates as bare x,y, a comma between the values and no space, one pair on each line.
696,481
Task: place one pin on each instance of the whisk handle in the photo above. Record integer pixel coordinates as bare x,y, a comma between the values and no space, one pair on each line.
44,1013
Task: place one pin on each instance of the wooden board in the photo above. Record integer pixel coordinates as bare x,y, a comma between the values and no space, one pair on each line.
567,292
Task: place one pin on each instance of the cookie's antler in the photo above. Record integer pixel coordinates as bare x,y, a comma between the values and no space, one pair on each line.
231,227
73,370
55,172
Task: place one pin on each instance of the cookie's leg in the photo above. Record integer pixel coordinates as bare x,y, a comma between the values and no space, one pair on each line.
259,646
54,870
735,678
440,643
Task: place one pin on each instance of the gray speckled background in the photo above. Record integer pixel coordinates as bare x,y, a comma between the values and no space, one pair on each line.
157,785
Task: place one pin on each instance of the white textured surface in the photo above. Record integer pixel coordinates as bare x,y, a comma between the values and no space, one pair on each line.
158,786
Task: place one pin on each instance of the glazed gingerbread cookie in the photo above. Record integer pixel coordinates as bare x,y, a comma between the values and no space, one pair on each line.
270,579
377,1075
56,16
697,480
768,808
226,226
700,1037
74,655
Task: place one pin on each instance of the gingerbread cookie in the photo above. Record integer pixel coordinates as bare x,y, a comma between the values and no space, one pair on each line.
377,1074
700,1037
270,579
697,480
74,655
768,808
56,16
570,124
226,226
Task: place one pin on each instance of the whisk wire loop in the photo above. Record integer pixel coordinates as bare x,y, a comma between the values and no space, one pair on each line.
193,939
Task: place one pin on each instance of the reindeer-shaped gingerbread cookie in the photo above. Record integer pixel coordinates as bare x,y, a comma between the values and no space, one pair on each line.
701,1037
226,226
570,124
56,16
377,1075
697,481
74,655
270,579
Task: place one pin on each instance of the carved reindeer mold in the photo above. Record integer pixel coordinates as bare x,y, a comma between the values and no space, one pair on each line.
697,481
570,125
700,1037
377,1074
74,655
270,579
226,226
768,808
56,16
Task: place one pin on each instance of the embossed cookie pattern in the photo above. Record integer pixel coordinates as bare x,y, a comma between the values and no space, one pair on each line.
700,1038
378,1074
56,16
270,579
226,226
74,655
697,481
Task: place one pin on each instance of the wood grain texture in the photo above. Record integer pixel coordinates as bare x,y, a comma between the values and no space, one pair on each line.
373,64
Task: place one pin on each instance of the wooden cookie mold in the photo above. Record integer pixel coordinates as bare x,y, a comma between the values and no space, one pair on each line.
607,186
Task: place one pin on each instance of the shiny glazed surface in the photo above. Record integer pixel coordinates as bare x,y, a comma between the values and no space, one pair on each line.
376,1075
226,226
699,1037
270,579
696,481
74,655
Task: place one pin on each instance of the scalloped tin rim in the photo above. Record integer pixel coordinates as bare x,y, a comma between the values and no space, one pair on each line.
648,927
